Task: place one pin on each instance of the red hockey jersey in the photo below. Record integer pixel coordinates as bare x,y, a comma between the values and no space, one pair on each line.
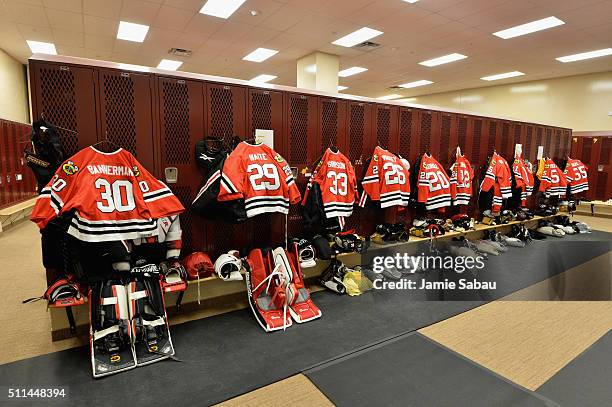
113,196
386,180
499,178
552,180
577,176
523,177
461,178
434,184
261,177
335,176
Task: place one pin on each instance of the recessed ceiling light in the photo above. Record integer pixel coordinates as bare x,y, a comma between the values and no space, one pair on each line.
502,76
133,67
263,78
260,55
357,37
415,84
221,8
341,88
528,28
389,97
351,71
169,64
132,32
443,60
586,55
38,47
410,1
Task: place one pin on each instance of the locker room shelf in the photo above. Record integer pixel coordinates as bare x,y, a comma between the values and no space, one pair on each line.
218,296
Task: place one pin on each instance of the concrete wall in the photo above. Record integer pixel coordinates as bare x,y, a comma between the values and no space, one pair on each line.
13,90
579,102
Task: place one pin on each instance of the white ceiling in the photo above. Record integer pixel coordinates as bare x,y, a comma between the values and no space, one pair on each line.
412,33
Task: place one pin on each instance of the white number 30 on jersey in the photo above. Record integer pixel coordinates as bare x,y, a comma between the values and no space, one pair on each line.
118,196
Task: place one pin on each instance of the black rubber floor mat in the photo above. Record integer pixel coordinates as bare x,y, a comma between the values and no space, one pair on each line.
227,355
413,371
587,380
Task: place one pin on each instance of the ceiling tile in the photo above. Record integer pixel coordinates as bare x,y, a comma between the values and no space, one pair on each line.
27,14
68,38
66,5
105,8
100,26
173,18
139,11
35,33
100,43
65,20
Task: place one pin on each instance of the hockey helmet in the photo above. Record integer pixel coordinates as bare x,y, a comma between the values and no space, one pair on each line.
321,246
306,253
198,265
228,267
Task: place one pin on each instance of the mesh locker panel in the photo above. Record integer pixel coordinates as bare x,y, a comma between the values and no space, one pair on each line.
491,138
557,144
539,133
602,182
59,104
587,145
405,132
383,127
356,131
119,111
517,138
221,112
294,220
176,122
329,124
476,140
527,146
425,133
445,140
505,138
298,130
462,132
548,142
261,111
567,142
186,197
606,146
262,230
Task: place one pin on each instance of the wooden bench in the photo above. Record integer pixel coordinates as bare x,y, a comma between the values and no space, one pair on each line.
595,208
16,213
217,296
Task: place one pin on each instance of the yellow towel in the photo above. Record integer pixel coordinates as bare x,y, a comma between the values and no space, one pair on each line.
356,283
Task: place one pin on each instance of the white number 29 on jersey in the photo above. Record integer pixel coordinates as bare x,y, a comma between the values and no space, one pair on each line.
263,177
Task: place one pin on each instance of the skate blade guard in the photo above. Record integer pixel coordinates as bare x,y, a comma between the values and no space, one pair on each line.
301,306
110,335
151,340
266,298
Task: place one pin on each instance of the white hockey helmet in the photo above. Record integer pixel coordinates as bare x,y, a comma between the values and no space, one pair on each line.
228,267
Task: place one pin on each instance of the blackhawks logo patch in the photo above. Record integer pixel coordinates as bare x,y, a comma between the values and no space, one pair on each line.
375,158
70,167
278,158
136,171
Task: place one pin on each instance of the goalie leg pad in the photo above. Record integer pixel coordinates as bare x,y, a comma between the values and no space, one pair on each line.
267,298
110,336
301,306
152,341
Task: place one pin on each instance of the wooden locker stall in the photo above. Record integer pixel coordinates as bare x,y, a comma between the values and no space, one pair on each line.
448,139
408,144
465,124
125,113
331,124
429,132
65,96
265,112
181,125
603,187
385,128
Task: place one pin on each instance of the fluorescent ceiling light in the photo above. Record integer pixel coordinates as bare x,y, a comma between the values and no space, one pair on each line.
341,88
260,55
132,32
351,71
389,97
415,84
263,78
502,76
357,37
38,47
410,1
169,64
586,55
443,59
133,67
221,8
538,25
